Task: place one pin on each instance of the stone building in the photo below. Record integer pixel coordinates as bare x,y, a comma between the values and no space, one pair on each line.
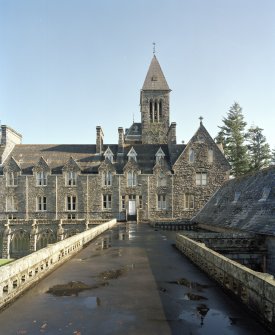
146,176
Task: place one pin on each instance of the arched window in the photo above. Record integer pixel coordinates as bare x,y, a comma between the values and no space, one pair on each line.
160,110
151,111
156,111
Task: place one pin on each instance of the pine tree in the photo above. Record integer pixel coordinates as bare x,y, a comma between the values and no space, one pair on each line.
258,149
272,158
232,136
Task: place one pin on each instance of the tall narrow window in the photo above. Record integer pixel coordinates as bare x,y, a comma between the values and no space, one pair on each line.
107,201
41,179
71,178
71,203
210,156
236,197
131,178
161,201
107,178
140,202
160,110
41,204
191,155
12,178
188,201
201,178
123,202
11,205
151,111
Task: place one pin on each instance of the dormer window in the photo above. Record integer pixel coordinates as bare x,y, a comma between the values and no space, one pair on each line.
12,178
71,178
109,155
265,193
41,178
236,197
159,156
132,155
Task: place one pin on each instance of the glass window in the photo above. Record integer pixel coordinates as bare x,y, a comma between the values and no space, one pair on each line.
71,203
189,201
107,178
123,202
191,156
131,178
12,178
201,178
11,205
161,201
41,204
107,201
210,156
41,179
71,178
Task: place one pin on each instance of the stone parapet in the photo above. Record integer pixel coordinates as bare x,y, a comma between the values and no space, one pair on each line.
256,290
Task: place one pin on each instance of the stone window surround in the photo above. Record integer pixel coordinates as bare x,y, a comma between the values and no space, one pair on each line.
131,178
70,203
41,204
12,179
201,178
107,178
41,178
71,177
11,204
161,202
189,201
106,201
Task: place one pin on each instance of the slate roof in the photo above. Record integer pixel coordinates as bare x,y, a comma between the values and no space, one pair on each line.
56,156
155,79
251,212
133,134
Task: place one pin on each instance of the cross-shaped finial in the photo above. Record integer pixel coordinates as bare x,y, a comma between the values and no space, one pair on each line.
200,118
154,47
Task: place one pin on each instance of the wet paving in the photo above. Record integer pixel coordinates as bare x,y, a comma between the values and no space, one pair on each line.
130,280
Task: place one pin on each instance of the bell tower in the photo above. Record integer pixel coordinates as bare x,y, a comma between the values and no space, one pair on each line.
154,105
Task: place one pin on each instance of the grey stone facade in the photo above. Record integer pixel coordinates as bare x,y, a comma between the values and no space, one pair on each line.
146,176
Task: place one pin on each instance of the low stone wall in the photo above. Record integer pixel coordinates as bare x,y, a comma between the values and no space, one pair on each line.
22,273
256,290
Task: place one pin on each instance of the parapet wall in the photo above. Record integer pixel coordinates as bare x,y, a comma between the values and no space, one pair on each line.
256,290
16,277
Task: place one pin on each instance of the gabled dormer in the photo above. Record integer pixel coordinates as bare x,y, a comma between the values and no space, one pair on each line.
12,171
108,154
71,170
132,155
159,156
41,170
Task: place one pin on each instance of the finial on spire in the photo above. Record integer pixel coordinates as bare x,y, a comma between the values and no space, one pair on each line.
200,118
154,48
133,117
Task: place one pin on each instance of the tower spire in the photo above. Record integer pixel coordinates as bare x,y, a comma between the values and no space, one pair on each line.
154,48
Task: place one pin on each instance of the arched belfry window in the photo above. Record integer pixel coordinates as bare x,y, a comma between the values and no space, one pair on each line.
151,111
156,111
160,110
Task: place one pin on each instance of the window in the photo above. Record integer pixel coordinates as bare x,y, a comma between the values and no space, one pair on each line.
71,178
71,216
265,194
12,178
210,156
71,203
123,202
236,197
161,201
161,179
160,110
107,178
131,178
201,178
107,201
41,179
41,204
188,201
140,202
11,205
191,156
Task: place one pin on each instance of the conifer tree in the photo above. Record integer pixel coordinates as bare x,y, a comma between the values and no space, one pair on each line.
232,137
272,158
258,149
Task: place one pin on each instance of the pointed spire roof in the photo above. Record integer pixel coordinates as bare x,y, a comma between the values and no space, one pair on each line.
155,79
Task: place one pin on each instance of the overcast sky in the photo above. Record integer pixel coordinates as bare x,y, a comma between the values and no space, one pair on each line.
67,66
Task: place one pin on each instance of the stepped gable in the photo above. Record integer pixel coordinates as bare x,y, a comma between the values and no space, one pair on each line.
155,79
245,203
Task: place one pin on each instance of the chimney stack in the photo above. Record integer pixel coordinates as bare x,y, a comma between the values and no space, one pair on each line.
99,140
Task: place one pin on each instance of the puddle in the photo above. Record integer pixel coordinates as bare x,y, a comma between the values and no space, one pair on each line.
114,274
72,288
91,302
210,320
190,284
191,296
